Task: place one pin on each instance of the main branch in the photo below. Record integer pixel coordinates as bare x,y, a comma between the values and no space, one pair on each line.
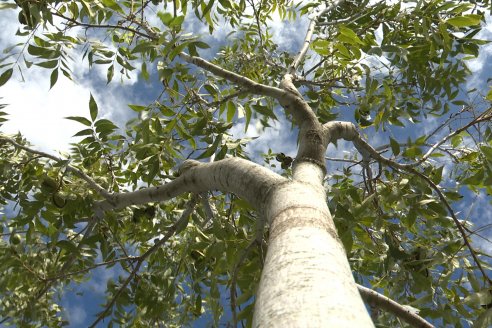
248,180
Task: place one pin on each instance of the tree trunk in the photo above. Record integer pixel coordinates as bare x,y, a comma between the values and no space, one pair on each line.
306,280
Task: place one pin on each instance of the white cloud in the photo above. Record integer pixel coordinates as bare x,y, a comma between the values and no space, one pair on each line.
100,277
76,315
478,64
478,211
38,112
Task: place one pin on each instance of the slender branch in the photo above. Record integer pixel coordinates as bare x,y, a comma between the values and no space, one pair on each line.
482,118
64,275
391,306
457,222
118,293
347,131
240,80
346,160
315,66
257,18
107,26
217,103
81,174
141,259
309,35
65,267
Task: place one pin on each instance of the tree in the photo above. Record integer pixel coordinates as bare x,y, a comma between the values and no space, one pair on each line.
127,198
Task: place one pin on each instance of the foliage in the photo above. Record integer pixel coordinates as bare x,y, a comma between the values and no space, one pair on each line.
390,67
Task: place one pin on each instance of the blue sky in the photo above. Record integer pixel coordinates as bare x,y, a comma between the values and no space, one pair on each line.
38,112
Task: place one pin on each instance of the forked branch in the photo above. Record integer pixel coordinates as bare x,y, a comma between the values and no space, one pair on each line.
348,131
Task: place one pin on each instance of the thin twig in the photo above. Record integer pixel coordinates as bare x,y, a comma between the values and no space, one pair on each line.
64,275
486,116
106,26
172,230
81,174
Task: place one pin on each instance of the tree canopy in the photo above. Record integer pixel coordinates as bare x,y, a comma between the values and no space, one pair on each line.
399,194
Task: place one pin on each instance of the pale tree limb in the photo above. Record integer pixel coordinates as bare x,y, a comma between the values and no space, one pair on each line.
208,208
347,130
309,35
248,180
346,160
287,95
252,86
393,307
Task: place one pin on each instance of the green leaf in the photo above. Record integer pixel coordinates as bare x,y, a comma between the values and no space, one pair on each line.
87,6
321,47
48,64
110,73
487,151
483,297
67,245
166,111
201,45
6,76
211,149
138,108
93,108
484,320
105,126
53,78
177,50
465,20
165,18
85,132
176,21
349,36
489,95
144,72
79,119
231,111
456,140
182,224
208,8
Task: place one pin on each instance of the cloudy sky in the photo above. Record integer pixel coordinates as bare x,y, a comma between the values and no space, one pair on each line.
38,113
